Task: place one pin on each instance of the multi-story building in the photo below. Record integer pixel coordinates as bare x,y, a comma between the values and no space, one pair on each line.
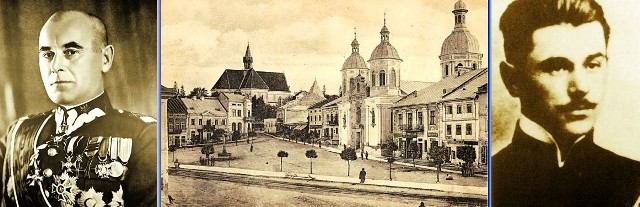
177,122
270,125
453,111
270,86
330,122
294,113
204,115
317,118
239,115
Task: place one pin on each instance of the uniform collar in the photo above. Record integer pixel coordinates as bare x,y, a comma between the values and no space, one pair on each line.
537,132
80,114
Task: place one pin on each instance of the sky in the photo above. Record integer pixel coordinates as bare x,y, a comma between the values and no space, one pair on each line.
306,39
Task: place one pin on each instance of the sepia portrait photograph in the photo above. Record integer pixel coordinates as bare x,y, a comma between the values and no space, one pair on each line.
78,103
324,103
564,107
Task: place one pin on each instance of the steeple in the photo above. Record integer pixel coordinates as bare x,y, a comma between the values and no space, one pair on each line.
355,45
459,11
315,89
384,32
247,59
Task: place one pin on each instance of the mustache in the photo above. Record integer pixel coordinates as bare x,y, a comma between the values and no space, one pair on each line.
580,104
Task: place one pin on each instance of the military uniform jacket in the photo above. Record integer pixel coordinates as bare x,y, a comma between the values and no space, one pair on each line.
89,155
526,173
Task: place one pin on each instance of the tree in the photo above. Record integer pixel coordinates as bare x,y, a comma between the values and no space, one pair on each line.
261,110
390,160
311,154
218,134
172,149
388,148
348,154
468,155
415,152
207,150
199,92
282,154
181,93
439,155
235,135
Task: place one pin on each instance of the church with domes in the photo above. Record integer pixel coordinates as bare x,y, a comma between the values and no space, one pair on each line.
368,91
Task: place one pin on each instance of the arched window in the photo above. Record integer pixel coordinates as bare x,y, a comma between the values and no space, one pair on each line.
373,79
233,127
446,70
475,66
358,113
383,78
240,127
392,77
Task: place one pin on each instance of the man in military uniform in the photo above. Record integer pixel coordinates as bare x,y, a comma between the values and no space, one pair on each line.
557,64
83,152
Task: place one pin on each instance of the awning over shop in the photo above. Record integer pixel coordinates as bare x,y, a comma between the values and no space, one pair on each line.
299,127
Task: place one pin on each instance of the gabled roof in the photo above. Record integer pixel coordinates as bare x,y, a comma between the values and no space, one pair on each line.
469,89
253,80
175,105
440,89
199,106
334,102
237,79
411,86
275,81
321,103
234,97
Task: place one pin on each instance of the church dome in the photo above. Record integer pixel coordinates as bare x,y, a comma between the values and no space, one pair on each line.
354,61
384,50
460,41
459,5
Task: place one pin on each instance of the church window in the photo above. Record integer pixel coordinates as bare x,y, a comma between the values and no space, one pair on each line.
392,77
373,79
358,114
373,117
383,78
446,70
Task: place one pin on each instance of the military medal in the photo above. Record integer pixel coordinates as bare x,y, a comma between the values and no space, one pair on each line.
52,152
47,172
116,169
102,170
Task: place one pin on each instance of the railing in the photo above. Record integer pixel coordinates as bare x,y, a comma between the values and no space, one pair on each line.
176,131
333,123
249,118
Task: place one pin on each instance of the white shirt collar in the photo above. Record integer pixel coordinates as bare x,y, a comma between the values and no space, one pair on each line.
538,132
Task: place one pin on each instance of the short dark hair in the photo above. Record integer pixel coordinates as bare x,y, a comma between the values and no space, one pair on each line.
523,17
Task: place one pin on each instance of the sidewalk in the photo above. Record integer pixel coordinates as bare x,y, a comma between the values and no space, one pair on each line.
337,151
398,184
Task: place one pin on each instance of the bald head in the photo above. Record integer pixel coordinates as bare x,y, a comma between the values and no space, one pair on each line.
94,23
73,57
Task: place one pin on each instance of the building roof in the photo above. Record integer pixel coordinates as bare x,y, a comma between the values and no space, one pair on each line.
469,89
354,61
411,86
334,103
200,106
175,105
384,50
440,89
234,97
321,103
238,79
460,41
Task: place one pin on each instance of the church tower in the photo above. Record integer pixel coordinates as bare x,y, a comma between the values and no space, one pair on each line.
247,59
353,67
460,51
385,66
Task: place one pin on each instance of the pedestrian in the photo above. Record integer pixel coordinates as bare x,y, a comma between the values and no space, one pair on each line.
363,175
251,149
366,155
361,155
320,144
421,204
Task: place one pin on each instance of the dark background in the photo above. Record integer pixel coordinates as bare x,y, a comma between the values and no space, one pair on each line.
131,82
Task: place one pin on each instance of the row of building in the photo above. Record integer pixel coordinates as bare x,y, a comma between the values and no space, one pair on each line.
376,107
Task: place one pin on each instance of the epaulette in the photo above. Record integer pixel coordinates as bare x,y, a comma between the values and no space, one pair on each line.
144,118
37,115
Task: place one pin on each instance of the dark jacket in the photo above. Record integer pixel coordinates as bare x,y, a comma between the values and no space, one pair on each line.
526,173
42,167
